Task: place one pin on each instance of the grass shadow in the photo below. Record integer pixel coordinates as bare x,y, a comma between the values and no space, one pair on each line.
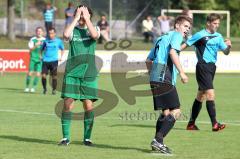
12,89
149,126
25,139
133,125
104,146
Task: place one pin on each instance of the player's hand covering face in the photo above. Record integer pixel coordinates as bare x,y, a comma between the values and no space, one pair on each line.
213,26
85,13
78,14
183,28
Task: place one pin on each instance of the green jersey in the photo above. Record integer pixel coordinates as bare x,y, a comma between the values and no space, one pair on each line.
35,53
81,56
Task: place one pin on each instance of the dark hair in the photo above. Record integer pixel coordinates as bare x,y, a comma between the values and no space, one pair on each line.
89,10
213,16
52,28
181,18
70,4
148,16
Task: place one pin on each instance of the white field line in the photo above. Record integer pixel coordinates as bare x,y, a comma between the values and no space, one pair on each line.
235,122
161,154
24,112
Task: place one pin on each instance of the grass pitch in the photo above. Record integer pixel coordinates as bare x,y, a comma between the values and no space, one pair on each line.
30,129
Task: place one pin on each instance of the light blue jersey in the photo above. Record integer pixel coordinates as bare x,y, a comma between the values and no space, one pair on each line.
163,69
207,45
48,15
51,48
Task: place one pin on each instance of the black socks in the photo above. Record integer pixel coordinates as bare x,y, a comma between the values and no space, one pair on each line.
164,124
196,108
211,111
54,84
44,83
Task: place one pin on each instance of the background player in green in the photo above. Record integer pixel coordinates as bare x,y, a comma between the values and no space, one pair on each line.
35,64
207,43
80,78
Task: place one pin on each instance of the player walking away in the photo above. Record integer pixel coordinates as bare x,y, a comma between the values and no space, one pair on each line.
80,78
35,65
163,64
207,43
50,49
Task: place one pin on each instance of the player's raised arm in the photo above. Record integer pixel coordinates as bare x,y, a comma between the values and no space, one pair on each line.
68,31
176,62
229,45
92,30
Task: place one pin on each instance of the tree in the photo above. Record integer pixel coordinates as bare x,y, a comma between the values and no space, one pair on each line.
202,4
10,19
233,6
178,4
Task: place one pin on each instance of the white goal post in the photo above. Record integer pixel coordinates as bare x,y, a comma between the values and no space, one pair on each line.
163,11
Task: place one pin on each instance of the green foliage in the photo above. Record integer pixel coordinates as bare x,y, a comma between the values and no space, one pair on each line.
235,30
129,9
3,9
18,8
179,4
233,6
202,4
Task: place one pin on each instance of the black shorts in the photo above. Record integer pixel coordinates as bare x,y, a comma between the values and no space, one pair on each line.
205,73
52,66
165,96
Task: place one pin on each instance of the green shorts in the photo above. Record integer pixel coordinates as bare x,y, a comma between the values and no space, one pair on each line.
35,66
80,88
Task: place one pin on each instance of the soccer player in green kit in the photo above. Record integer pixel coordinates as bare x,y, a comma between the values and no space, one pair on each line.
35,65
80,78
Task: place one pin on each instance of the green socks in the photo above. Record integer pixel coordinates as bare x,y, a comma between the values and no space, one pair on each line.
66,122
28,79
35,81
88,124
